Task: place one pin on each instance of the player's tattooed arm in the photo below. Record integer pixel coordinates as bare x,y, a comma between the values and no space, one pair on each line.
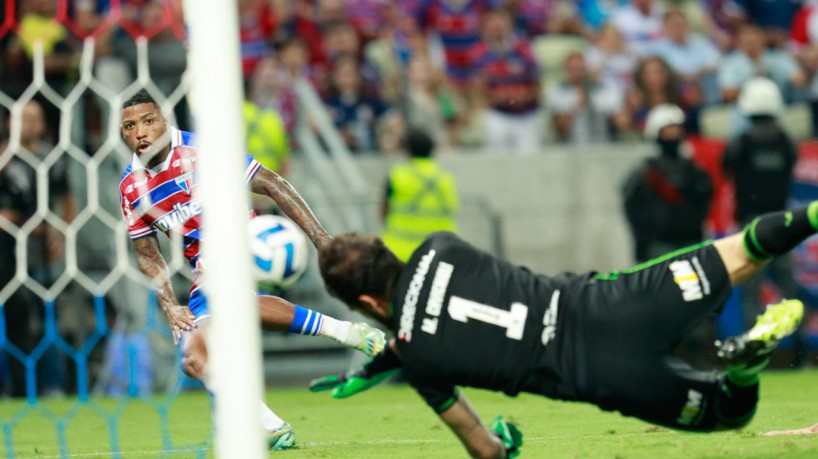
153,265
269,183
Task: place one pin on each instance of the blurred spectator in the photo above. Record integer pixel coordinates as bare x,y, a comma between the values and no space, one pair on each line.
721,21
35,141
595,14
532,17
366,16
45,245
294,57
668,196
293,21
421,198
256,24
430,105
753,58
17,204
271,89
640,23
457,24
692,57
355,115
506,83
804,36
582,108
760,162
610,60
60,60
655,84
267,141
773,16
330,12
400,39
266,137
167,56
340,39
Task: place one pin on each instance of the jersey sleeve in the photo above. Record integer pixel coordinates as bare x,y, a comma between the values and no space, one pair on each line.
439,395
438,398
251,168
137,226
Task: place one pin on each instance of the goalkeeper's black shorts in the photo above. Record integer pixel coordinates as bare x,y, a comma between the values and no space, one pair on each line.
632,322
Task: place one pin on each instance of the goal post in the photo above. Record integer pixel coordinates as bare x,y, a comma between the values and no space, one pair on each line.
234,343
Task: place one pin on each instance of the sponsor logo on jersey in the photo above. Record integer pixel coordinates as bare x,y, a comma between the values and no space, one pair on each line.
184,181
137,184
179,215
443,274
692,408
692,283
410,301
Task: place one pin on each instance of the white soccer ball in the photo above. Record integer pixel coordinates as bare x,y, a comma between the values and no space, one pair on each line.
280,250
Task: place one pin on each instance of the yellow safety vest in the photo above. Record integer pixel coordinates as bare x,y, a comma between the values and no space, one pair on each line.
266,136
423,200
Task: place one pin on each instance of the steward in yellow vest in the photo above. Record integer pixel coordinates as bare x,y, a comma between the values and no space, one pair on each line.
421,198
266,137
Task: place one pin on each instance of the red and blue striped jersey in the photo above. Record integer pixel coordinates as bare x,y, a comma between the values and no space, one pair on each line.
458,24
512,76
162,199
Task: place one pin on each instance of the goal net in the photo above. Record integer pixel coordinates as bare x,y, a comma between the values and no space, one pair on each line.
85,353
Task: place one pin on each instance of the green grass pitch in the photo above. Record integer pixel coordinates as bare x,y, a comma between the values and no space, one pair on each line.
393,422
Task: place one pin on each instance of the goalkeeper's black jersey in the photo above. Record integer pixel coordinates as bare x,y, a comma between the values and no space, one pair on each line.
465,318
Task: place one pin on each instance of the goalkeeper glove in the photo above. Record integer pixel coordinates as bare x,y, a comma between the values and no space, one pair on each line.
509,435
353,381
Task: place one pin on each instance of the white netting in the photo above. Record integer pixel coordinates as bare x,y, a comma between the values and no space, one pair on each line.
77,318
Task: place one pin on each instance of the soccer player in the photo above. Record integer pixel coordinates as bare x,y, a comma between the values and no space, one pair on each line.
462,317
157,194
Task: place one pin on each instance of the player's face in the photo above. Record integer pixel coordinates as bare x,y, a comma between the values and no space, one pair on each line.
146,133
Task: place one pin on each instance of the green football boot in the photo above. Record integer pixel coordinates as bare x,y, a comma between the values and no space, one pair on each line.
754,347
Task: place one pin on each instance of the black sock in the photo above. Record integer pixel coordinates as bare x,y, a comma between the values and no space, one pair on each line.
777,233
736,405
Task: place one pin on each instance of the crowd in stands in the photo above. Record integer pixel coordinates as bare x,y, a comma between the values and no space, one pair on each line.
507,74
501,74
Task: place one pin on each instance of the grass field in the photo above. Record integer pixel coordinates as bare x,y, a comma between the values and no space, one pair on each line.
393,422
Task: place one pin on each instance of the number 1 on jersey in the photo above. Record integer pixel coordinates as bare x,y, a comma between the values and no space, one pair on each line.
513,321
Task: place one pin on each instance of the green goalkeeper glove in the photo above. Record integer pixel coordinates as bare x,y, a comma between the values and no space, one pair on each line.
382,367
509,434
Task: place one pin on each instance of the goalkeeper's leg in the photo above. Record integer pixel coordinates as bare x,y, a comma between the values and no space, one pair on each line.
278,314
768,236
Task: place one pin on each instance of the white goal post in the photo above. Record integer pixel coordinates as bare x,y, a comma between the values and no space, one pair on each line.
233,337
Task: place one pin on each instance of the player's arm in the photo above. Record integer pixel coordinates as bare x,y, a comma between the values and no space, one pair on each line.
269,183
153,265
464,422
501,440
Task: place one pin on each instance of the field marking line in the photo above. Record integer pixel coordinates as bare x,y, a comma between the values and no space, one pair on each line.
172,452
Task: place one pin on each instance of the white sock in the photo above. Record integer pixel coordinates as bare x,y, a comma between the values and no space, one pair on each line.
269,420
335,329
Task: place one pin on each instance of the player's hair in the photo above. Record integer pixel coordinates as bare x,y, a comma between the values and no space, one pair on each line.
141,97
353,265
418,143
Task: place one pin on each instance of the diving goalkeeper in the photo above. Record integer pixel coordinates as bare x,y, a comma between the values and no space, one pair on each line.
462,317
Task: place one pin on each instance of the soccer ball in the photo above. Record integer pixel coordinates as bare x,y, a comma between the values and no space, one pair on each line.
280,250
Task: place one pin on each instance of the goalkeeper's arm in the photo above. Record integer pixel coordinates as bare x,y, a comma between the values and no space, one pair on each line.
481,442
382,367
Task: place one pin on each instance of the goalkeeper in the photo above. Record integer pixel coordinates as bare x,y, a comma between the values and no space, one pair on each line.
462,317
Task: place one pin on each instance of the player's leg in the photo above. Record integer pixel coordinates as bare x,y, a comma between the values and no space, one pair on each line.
279,433
278,314
766,237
